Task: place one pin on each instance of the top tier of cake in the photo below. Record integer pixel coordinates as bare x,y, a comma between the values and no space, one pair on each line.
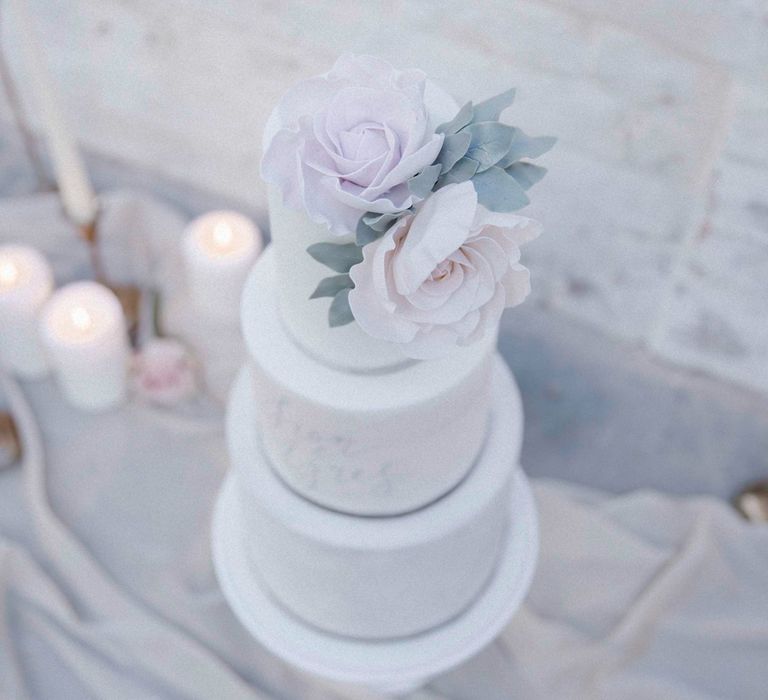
306,320
393,215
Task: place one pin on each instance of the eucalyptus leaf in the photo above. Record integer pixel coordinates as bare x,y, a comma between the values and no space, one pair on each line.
490,142
373,225
365,233
491,109
461,172
381,222
340,257
331,286
498,191
462,118
524,146
340,314
526,174
421,185
454,147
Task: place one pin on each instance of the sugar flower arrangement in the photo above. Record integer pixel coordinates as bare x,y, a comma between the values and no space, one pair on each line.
429,245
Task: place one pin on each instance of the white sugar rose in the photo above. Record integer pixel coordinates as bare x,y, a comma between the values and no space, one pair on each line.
348,142
441,277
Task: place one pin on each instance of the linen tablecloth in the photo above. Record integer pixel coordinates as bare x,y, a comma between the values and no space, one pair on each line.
107,588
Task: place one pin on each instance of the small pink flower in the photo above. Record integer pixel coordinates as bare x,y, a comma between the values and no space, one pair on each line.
440,278
164,372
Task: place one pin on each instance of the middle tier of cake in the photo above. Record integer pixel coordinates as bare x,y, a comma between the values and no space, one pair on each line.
365,444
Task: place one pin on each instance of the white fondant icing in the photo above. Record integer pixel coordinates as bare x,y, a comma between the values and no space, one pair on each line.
375,578
347,347
387,666
306,319
370,444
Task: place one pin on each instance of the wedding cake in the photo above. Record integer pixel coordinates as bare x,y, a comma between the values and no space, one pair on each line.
374,495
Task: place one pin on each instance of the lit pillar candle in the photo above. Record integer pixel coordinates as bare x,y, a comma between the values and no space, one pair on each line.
26,283
84,333
219,250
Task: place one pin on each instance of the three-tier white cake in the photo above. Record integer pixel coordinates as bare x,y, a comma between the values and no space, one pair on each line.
375,508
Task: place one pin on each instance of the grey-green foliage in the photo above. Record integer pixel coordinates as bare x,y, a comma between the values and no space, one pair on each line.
339,257
464,169
454,147
476,147
491,109
489,142
496,186
524,146
526,174
479,148
463,118
340,313
372,226
421,185
331,286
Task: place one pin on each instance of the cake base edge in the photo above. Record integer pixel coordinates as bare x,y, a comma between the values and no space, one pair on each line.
385,666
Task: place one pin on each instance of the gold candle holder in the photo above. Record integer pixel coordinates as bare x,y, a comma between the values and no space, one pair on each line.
128,295
752,502
10,445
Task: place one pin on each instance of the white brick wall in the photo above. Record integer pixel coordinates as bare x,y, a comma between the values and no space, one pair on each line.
656,206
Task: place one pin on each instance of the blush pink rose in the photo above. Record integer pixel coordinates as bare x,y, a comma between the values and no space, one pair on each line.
164,372
349,141
440,278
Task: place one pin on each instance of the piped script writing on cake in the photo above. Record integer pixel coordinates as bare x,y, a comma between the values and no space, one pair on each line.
417,198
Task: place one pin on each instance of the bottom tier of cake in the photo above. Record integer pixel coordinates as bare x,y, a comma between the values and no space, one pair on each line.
375,578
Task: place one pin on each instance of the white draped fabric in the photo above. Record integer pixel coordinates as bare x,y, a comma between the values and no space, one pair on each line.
107,589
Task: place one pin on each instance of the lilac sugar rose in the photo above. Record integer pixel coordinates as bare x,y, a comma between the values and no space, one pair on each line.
349,141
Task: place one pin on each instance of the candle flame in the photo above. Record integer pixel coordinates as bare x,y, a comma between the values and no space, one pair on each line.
222,235
9,273
81,319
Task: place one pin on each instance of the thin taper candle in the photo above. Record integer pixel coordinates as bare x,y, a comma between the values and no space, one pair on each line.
77,195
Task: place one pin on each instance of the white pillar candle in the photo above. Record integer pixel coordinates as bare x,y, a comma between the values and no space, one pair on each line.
26,282
219,249
84,332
